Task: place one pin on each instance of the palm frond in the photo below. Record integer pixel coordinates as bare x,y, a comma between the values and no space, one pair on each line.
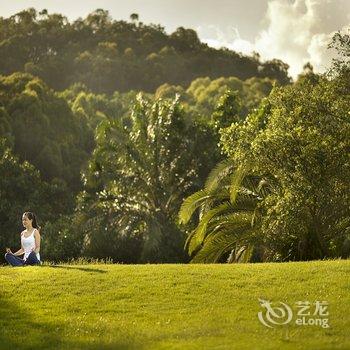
198,237
236,181
220,171
233,221
241,254
190,204
215,247
245,202
251,184
188,239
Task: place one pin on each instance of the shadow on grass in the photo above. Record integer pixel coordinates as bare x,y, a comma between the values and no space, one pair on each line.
22,331
85,269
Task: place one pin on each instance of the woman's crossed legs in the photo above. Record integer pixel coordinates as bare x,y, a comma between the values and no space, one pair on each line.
14,260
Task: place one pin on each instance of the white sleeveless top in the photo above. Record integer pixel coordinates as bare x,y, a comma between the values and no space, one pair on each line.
28,244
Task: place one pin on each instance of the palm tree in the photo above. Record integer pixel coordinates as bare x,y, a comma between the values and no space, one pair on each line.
229,215
139,174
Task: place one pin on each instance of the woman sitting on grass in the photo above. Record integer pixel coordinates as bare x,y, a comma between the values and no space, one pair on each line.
30,243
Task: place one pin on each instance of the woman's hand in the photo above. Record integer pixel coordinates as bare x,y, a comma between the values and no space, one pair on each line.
8,250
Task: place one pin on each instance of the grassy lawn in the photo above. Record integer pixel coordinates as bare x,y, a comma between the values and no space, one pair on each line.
170,306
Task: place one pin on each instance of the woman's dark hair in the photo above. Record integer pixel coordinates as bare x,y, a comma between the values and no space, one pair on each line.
31,216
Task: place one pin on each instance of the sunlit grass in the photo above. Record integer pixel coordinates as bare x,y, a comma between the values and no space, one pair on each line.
105,306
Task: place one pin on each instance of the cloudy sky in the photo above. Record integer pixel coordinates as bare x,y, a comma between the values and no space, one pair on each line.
296,31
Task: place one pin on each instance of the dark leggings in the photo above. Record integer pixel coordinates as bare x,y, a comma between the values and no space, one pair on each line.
17,261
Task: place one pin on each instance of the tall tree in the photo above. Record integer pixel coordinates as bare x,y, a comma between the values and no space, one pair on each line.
139,173
300,140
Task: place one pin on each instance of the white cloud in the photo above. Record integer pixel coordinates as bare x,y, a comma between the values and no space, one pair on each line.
320,56
296,32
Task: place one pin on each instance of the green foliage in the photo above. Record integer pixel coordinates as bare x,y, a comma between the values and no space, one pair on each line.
299,140
41,128
229,218
233,96
227,111
109,55
61,240
170,91
277,70
137,178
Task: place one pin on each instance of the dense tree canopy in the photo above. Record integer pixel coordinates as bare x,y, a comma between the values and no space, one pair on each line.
42,128
202,96
109,55
300,141
137,178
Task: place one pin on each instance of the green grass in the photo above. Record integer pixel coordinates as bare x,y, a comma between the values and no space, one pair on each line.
169,306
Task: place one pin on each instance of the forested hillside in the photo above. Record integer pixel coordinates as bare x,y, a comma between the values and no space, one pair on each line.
109,55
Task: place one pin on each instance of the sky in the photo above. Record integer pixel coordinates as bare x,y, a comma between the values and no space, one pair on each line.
295,31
